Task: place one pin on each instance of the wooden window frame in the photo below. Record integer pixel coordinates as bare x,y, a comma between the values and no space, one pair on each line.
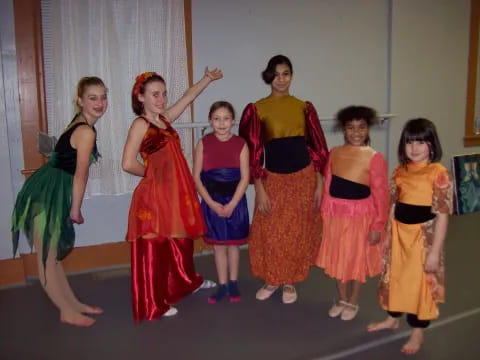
471,138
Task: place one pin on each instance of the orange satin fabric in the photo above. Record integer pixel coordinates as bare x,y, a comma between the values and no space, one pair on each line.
165,202
405,286
352,163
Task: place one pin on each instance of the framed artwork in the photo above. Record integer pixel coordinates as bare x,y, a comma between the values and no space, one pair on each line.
466,173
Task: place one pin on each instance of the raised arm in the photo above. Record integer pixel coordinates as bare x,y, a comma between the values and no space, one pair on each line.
83,140
130,161
173,112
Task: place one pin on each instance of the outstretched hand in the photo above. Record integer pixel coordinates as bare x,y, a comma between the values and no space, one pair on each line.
214,74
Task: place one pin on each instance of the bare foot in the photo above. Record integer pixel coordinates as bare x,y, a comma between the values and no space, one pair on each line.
86,309
388,323
77,319
414,343
94,310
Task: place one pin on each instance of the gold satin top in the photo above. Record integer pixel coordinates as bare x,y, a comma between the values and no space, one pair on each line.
281,117
352,163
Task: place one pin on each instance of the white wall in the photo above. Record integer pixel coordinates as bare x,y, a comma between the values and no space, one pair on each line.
341,53
429,68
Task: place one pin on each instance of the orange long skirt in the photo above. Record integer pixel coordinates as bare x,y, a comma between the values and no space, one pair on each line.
283,245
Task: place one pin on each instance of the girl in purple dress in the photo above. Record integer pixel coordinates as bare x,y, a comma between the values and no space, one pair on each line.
221,174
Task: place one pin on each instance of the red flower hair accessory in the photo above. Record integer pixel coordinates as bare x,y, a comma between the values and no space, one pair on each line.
141,79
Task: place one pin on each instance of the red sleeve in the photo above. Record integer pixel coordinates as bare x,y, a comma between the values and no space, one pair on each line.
250,129
316,143
379,190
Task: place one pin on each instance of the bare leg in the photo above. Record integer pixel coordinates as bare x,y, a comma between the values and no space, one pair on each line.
389,323
67,290
414,343
355,292
342,288
233,261
221,263
49,278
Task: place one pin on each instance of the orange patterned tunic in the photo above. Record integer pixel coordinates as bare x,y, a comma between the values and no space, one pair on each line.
405,286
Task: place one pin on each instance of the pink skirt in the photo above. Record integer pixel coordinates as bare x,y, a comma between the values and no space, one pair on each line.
345,253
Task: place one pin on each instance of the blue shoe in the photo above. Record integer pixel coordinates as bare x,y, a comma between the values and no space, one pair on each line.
221,292
233,292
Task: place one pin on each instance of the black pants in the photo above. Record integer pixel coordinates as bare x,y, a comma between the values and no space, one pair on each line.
412,319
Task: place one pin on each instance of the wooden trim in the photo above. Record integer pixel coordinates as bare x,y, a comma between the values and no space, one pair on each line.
86,258
470,138
188,38
12,272
187,9
31,85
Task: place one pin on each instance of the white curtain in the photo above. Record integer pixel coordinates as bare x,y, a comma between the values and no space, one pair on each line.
115,40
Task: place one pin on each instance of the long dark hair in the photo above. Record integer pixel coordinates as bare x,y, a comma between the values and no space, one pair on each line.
420,129
269,73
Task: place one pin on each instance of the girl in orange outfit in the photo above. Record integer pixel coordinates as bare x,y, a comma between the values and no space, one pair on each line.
413,276
165,214
354,210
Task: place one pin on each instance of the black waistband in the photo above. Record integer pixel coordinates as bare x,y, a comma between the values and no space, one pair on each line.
286,155
413,214
345,189
220,188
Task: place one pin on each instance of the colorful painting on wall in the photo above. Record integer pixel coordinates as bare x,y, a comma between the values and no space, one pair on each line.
466,172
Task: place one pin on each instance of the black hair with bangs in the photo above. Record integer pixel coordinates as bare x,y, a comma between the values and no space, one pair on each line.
420,129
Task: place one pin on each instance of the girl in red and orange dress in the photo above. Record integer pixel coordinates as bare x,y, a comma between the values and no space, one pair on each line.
286,225
354,210
165,214
413,275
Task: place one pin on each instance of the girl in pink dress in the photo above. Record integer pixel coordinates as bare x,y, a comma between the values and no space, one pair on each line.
354,210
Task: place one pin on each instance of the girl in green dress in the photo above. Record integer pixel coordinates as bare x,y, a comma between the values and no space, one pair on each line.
50,200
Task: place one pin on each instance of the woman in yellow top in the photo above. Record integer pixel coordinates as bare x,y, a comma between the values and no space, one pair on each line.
285,232
413,276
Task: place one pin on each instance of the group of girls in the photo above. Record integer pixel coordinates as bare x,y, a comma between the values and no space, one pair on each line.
303,194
